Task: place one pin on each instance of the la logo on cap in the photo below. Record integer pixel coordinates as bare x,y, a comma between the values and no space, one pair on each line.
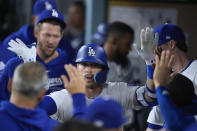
91,52
48,6
54,13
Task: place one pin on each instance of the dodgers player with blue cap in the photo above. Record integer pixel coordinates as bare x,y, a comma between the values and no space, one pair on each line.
50,29
27,32
174,96
167,37
92,68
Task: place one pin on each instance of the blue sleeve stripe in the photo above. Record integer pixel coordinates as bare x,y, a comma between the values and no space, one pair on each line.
149,90
154,103
153,126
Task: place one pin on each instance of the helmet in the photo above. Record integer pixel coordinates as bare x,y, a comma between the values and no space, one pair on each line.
94,53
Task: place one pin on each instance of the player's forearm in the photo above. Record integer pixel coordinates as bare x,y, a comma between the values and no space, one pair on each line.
170,113
79,105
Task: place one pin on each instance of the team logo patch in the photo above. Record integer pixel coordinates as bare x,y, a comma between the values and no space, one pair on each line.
91,52
54,13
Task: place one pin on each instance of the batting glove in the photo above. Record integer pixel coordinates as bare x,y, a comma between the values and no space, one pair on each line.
18,47
148,44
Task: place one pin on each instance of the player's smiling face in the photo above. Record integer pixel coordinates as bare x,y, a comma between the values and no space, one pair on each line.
88,70
48,37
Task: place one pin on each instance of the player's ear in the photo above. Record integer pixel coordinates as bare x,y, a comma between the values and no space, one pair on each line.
42,93
172,44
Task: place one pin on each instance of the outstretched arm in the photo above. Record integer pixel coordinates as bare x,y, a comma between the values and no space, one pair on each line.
146,96
76,86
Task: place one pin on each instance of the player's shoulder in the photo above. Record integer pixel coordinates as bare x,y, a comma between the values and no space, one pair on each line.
13,63
63,56
18,34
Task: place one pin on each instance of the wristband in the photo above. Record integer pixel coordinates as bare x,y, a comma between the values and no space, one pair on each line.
150,71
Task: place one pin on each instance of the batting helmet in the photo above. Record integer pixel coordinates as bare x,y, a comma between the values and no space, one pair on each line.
93,53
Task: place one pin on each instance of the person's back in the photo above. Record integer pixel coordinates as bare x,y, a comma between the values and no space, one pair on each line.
22,113
15,118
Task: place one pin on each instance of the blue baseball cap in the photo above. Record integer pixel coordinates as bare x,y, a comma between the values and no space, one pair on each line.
51,14
41,5
169,32
105,112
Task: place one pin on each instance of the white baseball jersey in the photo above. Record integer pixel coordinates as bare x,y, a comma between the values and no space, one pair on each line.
120,91
190,72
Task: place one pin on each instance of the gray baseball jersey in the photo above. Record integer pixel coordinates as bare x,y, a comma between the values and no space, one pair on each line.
122,92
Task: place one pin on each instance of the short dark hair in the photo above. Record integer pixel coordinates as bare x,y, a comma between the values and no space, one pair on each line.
181,45
53,22
77,125
181,90
118,29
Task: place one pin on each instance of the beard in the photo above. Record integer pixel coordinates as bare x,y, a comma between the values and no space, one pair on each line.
44,52
121,59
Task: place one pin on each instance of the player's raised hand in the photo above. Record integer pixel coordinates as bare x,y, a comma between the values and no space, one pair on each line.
76,84
18,47
148,44
163,68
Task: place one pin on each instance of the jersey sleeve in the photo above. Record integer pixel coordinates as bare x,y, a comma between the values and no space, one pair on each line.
6,75
174,118
64,105
155,117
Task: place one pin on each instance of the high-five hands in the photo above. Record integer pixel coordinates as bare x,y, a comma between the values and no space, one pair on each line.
148,44
76,84
163,68
18,47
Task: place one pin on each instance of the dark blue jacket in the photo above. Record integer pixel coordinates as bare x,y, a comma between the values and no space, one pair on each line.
13,118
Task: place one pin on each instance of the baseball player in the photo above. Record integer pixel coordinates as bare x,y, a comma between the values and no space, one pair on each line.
92,62
50,28
27,32
174,96
171,37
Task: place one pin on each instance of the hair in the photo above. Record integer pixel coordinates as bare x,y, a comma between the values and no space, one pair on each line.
53,22
29,79
77,125
181,90
181,45
79,4
118,29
